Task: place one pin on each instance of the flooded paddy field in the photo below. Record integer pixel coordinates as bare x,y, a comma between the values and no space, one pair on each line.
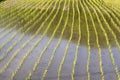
59,40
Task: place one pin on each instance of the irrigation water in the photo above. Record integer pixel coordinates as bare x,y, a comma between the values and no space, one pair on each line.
59,40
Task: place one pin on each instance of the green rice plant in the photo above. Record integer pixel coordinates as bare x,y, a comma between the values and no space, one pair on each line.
116,9
88,42
107,41
98,45
13,18
78,43
52,56
114,24
20,6
11,10
117,72
111,11
27,14
86,23
39,58
6,33
8,22
109,7
113,33
12,37
67,46
18,50
11,47
57,45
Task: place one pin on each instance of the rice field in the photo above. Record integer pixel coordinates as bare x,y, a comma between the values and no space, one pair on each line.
59,40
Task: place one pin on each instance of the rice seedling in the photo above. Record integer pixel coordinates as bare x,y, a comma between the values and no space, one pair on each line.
13,18
98,45
77,47
108,44
114,35
88,42
18,50
38,60
90,27
67,46
13,36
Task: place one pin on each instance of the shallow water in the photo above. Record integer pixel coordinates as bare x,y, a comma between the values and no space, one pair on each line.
31,40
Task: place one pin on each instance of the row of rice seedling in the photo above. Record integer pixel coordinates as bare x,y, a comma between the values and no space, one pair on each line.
10,18
28,53
53,34
116,8
11,28
11,47
97,41
99,50
11,15
88,41
113,33
7,32
114,24
20,7
12,37
90,9
110,11
69,41
107,41
44,33
115,38
11,9
57,45
14,18
78,43
112,58
18,50
108,26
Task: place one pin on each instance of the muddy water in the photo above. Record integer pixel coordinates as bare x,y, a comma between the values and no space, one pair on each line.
21,37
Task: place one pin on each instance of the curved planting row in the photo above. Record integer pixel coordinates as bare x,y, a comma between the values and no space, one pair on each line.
91,26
